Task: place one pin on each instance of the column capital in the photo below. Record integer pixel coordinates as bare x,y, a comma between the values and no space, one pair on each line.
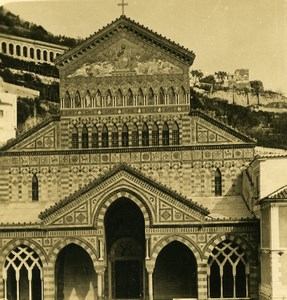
149,265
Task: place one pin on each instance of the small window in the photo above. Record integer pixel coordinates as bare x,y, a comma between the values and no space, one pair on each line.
145,135
175,134
95,137
85,137
217,183
165,135
115,136
35,188
155,135
105,136
125,136
135,136
75,138
1,113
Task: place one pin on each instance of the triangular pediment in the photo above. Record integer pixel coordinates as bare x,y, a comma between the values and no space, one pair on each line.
164,206
210,131
125,28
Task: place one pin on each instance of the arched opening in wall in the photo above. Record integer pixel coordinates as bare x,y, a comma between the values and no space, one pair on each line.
77,100
32,53
181,96
51,56
75,275
23,274
130,98
228,272
150,97
45,55
140,97
145,135
135,135
175,273
67,100
119,98
11,49
155,135
18,50
98,99
25,51
88,99
125,242
85,137
95,137
161,96
38,54
4,48
115,136
125,136
217,183
105,136
75,138
35,188
175,134
171,96
109,99
165,134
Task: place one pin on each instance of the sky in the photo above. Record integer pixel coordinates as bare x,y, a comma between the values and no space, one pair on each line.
225,35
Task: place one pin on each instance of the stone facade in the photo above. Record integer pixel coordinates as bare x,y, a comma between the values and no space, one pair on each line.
127,194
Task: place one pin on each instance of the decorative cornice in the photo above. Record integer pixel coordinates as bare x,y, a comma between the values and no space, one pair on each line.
279,195
125,23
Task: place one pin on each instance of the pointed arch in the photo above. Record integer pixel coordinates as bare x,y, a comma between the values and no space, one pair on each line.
35,188
119,98
85,137
75,137
67,100
105,136
150,97
140,97
161,97
135,135
98,99
88,99
171,96
155,135
77,99
175,133
109,99
165,134
95,137
130,98
125,135
181,96
145,135
217,183
115,136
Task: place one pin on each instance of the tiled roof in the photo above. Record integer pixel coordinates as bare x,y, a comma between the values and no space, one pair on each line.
280,194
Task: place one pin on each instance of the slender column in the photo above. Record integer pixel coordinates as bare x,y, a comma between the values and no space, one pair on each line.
30,284
5,289
100,285
17,285
150,285
147,247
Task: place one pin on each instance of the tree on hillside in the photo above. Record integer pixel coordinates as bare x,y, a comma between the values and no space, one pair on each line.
246,90
209,79
221,75
197,75
257,88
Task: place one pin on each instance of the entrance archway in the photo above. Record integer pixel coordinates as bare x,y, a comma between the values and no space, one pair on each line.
175,273
125,240
75,274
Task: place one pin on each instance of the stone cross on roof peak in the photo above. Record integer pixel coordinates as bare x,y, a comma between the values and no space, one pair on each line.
123,4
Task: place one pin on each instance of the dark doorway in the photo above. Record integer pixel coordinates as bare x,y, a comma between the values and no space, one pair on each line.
125,240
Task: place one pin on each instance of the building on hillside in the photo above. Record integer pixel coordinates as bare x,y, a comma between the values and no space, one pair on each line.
128,193
8,114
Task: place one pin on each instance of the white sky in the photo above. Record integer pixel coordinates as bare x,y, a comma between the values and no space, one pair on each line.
224,34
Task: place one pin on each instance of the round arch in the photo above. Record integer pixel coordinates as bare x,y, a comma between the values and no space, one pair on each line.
108,200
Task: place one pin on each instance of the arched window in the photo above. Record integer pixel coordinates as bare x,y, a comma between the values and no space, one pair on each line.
135,136
175,134
161,96
77,100
105,136
11,49
23,273
228,274
145,135
75,138
217,183
67,100
85,137
45,55
38,53
125,136
88,99
140,98
155,135
32,53
25,51
51,56
35,188
95,137
109,99
18,50
171,96
130,98
115,136
98,99
119,98
165,134
4,48
181,96
150,97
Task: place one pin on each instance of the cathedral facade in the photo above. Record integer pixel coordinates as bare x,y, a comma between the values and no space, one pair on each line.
128,193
